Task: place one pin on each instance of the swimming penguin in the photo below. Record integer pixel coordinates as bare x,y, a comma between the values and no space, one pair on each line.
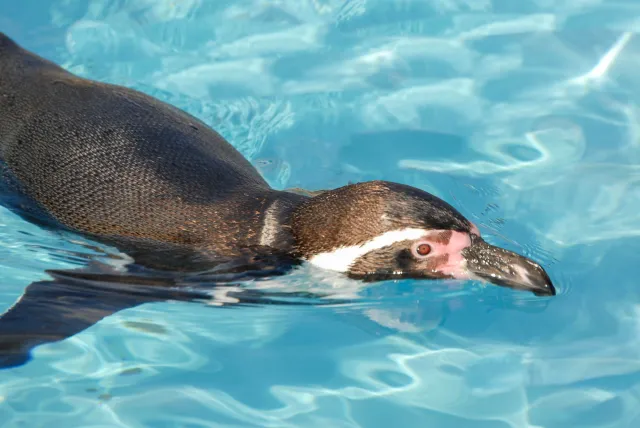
125,169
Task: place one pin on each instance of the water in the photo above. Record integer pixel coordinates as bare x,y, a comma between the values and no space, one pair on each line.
522,114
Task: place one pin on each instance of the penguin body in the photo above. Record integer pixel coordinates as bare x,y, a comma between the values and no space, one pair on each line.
128,170
114,163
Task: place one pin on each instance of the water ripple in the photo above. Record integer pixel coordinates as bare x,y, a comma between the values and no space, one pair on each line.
524,116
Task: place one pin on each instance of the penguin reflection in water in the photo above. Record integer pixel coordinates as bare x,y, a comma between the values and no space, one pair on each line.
127,170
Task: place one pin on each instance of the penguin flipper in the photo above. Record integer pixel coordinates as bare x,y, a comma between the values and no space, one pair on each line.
53,310
74,300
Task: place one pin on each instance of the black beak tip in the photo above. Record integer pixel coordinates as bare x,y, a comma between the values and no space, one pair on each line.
546,287
535,280
547,290
508,269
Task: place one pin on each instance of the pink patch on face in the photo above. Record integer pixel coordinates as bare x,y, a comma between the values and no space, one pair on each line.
455,264
475,230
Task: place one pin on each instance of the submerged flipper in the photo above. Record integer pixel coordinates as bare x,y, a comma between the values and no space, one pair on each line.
74,300
54,310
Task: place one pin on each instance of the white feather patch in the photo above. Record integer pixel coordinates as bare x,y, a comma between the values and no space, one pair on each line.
340,260
270,226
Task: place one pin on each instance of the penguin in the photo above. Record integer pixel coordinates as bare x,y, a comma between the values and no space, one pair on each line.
122,168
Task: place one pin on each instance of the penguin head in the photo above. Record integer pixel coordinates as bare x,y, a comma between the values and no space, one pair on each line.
380,230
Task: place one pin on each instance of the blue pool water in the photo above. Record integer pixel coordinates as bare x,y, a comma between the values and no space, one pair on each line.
522,114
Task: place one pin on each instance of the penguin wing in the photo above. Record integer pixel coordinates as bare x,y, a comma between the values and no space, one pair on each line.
74,300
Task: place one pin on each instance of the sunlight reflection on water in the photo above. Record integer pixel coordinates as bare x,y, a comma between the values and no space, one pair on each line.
524,117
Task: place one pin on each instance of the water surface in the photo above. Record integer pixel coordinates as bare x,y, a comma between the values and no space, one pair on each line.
524,115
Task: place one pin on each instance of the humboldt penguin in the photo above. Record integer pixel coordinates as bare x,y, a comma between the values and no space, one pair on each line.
125,169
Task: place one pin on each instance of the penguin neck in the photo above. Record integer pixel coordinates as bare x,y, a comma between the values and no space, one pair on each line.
276,219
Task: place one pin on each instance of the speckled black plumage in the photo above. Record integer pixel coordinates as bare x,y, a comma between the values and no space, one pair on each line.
115,163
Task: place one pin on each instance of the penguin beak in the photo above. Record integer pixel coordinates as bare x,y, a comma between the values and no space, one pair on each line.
505,268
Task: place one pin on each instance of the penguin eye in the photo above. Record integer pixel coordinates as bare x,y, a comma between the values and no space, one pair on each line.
423,250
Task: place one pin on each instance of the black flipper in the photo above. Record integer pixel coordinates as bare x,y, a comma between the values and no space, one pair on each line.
49,311
74,300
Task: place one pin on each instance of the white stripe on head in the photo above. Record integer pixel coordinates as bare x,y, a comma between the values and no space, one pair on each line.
341,259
